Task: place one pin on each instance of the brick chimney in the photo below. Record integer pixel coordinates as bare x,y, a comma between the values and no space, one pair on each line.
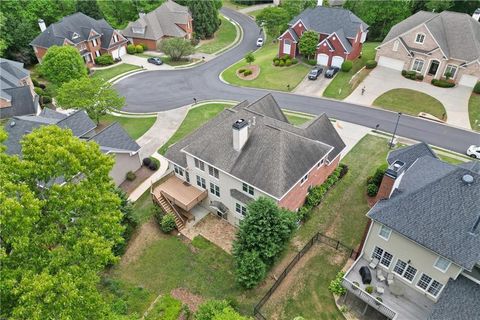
391,180
240,134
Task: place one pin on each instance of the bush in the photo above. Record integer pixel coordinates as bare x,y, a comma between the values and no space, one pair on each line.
476,89
250,269
288,62
46,100
131,49
335,286
372,190
138,49
282,63
404,73
294,61
131,176
312,62
208,309
147,161
166,308
420,77
35,82
144,46
369,289
378,175
370,64
104,60
442,83
347,65
411,75
167,224
154,164
241,70
304,213
38,91
317,193
247,72
276,63
275,59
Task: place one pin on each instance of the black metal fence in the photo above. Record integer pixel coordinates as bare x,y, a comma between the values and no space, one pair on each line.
318,237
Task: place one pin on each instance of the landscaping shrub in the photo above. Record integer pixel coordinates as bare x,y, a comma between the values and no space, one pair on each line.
312,62
104,60
147,161
41,85
208,309
476,89
294,61
241,70
275,59
154,164
38,90
288,62
347,65
46,100
250,269
304,213
131,176
131,49
276,63
247,72
166,308
442,83
404,73
420,77
369,289
378,175
335,286
282,63
317,193
168,223
35,82
410,74
372,190
370,64
138,49
144,46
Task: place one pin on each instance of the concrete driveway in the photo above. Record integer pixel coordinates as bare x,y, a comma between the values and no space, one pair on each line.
381,80
140,61
312,88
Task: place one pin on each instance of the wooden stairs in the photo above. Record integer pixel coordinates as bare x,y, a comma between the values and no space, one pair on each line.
168,207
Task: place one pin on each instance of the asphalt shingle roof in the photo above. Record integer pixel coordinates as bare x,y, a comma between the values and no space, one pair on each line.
115,138
22,102
276,154
410,154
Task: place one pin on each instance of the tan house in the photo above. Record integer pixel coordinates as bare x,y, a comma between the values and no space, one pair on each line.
434,45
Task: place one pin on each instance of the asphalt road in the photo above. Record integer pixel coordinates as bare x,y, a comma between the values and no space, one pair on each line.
168,89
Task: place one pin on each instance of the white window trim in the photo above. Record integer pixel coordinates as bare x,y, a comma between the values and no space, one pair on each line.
94,42
304,179
214,185
381,257
380,232
248,188
452,65
404,271
428,286
420,33
436,261
213,169
395,45
241,206
413,64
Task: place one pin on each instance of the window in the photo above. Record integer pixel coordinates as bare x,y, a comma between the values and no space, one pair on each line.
201,182
382,255
429,285
213,171
94,42
305,178
248,189
138,30
424,281
395,46
178,170
187,176
75,35
435,288
419,38
286,46
450,69
385,232
442,264
418,65
405,270
214,189
199,164
115,38
320,163
240,209
97,53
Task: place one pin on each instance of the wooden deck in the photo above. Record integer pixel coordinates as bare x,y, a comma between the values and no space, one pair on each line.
180,193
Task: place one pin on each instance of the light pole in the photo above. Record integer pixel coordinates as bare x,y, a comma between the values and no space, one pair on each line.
395,131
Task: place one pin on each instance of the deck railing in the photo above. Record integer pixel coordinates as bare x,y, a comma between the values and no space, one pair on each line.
173,207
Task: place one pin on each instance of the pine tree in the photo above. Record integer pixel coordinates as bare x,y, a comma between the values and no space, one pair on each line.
205,18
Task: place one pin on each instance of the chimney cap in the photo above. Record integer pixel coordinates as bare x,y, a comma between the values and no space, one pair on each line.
395,168
239,124
40,20
467,179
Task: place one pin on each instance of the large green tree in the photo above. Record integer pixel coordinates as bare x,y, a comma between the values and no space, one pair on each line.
205,17
176,48
294,7
90,8
274,20
92,94
62,64
60,218
308,43
120,12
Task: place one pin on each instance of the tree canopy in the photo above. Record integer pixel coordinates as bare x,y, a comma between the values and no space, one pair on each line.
205,16
119,13
176,48
295,7
308,43
274,19
62,64
217,310
56,237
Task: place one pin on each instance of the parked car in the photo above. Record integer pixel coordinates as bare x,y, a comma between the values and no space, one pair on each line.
155,60
314,73
259,42
474,151
331,72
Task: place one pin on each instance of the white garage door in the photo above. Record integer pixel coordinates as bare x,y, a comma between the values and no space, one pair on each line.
391,63
322,59
468,81
115,54
337,61
122,51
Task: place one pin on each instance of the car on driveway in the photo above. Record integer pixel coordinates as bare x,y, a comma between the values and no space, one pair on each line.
155,60
314,73
259,42
331,72
474,151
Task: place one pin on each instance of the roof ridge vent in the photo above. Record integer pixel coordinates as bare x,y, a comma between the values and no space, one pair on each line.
467,179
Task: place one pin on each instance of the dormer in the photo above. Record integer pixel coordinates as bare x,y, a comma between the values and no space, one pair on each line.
75,36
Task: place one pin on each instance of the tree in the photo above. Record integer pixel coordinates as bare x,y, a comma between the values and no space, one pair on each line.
438,5
3,41
217,310
62,64
249,58
90,8
56,238
176,48
205,17
308,43
294,7
274,20
119,12
92,94
249,269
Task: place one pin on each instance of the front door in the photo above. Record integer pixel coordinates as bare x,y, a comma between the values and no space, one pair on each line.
433,67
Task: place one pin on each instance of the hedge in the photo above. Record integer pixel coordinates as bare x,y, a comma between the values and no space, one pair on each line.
442,83
139,48
476,89
131,49
370,64
144,46
104,60
347,65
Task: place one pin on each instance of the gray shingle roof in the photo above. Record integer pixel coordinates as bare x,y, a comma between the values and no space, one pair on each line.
22,102
163,21
240,196
457,34
410,154
115,138
459,300
276,154
435,208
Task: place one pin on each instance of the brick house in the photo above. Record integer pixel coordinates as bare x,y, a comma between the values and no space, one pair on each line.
341,35
249,151
91,37
434,44
168,20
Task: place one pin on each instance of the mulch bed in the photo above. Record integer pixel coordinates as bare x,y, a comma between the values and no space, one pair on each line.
255,72
142,174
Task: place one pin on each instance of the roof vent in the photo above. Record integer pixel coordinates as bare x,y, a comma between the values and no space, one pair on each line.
467,179
12,124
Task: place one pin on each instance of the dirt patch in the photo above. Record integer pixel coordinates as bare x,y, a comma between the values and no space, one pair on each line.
144,236
255,72
188,298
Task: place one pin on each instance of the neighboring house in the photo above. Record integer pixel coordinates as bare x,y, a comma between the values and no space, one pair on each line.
249,151
433,45
113,139
17,97
341,35
423,234
168,20
91,37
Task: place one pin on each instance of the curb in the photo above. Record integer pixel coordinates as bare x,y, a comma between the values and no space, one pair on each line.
236,41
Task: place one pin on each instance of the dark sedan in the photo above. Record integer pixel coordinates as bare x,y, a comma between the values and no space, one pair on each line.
155,60
314,73
331,72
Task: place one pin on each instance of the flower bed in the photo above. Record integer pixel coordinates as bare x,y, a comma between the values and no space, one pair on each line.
248,72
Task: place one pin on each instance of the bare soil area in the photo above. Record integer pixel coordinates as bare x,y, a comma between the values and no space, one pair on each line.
145,235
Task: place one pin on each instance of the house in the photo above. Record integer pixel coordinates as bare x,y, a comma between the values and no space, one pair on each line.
168,20
423,241
247,152
112,139
91,37
17,97
341,35
434,45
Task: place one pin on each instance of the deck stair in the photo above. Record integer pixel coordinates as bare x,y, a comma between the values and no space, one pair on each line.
168,207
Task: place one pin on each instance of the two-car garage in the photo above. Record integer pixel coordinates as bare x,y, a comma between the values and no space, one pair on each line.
323,60
391,63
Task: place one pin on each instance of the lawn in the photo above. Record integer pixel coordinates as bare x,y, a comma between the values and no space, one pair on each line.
107,74
297,118
135,127
340,87
254,13
195,118
474,111
232,5
224,36
410,102
270,77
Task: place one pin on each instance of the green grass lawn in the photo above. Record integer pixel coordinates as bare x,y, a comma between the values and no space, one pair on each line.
340,87
224,36
474,111
410,102
254,13
270,77
195,118
297,118
135,127
107,74
232,5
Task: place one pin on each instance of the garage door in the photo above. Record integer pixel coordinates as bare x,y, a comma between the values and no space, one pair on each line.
391,63
322,59
468,81
337,61
115,54
122,51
